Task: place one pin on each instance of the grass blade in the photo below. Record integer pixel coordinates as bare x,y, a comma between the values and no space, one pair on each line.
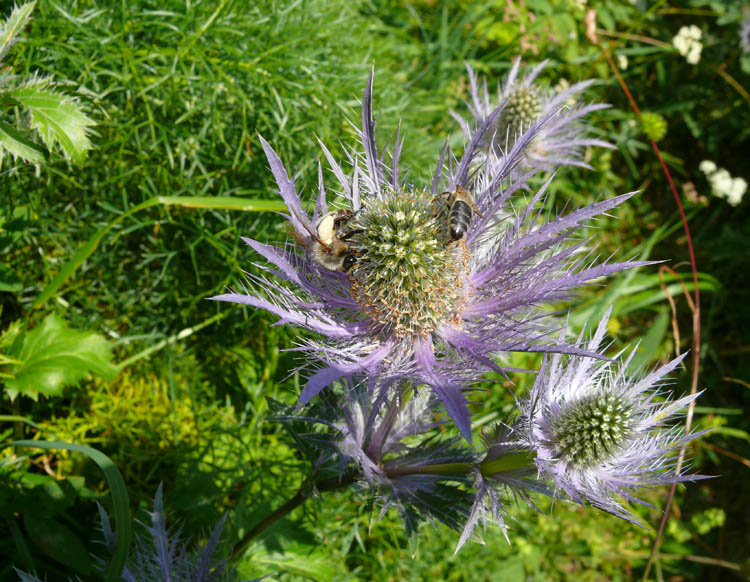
120,501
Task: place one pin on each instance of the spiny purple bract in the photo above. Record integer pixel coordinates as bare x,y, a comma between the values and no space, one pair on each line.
416,305
561,141
599,432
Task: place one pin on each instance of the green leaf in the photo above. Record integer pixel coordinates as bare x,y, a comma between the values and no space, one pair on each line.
58,542
9,281
19,146
120,502
54,356
13,25
298,559
56,117
648,348
223,203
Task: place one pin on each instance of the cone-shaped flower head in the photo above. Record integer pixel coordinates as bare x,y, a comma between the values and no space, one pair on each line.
414,282
562,139
599,432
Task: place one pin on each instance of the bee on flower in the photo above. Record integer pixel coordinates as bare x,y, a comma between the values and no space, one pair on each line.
401,295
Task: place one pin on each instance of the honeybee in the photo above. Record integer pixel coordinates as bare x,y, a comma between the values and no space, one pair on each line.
460,207
329,247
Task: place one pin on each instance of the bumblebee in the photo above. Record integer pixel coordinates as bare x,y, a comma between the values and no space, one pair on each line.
329,247
461,206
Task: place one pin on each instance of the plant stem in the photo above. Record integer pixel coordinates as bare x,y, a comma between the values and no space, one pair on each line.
304,493
695,307
437,469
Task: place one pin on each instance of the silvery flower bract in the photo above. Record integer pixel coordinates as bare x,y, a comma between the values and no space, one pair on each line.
599,432
413,303
384,441
560,141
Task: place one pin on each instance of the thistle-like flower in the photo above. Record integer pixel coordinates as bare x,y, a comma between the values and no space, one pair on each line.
561,140
422,283
599,432
385,438
162,554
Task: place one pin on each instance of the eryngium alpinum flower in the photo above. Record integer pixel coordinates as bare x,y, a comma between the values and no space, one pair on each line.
562,139
599,432
389,439
414,303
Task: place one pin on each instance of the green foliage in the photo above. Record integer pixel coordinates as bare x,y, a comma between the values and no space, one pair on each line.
52,356
13,25
48,497
132,242
58,119
654,125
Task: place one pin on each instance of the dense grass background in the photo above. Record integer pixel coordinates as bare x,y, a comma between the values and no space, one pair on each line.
179,92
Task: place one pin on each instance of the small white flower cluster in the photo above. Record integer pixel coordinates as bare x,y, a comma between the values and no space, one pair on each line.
688,43
622,62
722,183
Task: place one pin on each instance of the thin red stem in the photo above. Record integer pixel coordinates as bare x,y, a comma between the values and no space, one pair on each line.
696,316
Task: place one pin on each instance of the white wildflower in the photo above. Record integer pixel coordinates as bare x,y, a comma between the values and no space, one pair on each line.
736,191
622,62
694,55
688,43
722,183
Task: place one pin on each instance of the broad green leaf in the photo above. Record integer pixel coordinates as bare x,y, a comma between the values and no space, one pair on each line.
120,502
56,117
58,542
19,146
54,356
13,25
19,541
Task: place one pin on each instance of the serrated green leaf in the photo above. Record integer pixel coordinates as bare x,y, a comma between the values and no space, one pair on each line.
13,25
54,356
13,140
56,117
